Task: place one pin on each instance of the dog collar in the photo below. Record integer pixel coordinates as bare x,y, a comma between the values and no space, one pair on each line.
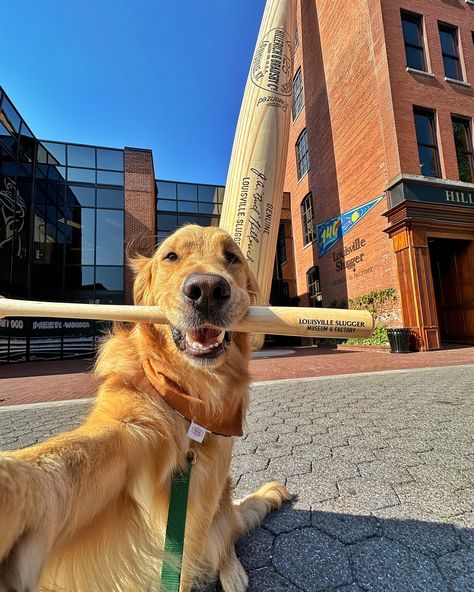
193,409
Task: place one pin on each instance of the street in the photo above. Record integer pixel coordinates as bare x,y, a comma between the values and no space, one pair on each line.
382,465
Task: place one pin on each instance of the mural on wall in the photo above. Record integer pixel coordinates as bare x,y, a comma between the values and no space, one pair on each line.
13,212
331,231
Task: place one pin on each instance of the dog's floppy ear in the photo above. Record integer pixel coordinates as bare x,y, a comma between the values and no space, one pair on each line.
252,288
142,268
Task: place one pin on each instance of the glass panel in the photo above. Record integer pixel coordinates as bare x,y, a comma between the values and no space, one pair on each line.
109,239
56,173
411,31
109,178
462,139
80,232
81,156
109,278
220,194
41,154
452,68
84,175
167,205
208,221
187,206
79,278
208,208
428,161
46,280
415,58
166,190
187,192
110,159
161,236
55,153
187,219
80,196
166,222
109,198
11,114
424,128
448,41
207,193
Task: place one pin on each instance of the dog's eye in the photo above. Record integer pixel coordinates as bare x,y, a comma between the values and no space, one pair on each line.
171,256
231,258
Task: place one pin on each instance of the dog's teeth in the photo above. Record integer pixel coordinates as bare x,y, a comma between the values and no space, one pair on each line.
221,336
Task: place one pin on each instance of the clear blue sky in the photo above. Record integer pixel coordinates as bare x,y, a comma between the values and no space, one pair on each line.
147,73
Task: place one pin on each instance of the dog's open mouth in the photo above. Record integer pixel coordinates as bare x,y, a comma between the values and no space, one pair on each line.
207,341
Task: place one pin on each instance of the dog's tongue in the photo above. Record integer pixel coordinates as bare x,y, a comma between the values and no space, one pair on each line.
205,335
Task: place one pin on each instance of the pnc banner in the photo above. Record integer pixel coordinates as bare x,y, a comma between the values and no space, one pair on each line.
331,231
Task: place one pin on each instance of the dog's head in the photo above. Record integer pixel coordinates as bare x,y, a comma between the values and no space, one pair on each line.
201,281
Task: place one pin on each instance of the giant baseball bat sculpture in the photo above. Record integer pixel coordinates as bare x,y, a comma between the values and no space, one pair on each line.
254,188
278,320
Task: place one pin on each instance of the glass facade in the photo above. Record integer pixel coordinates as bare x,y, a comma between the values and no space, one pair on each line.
61,235
186,203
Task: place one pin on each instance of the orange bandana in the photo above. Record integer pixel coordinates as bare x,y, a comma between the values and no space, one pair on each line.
193,409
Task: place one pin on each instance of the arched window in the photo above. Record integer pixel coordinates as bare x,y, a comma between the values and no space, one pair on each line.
307,219
298,95
314,287
302,156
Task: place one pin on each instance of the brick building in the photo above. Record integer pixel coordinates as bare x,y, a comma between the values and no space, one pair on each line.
379,190
380,164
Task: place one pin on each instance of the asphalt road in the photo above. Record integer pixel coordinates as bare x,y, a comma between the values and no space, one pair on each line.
383,468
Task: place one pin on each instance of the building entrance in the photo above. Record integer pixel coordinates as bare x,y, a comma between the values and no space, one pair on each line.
452,264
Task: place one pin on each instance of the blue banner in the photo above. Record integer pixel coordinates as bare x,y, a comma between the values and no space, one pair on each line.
331,231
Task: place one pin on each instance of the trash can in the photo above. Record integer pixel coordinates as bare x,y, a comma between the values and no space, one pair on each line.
399,340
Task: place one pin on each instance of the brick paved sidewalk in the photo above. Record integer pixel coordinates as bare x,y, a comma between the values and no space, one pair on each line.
382,466
70,379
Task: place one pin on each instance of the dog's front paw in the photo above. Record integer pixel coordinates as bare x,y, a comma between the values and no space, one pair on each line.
232,575
21,550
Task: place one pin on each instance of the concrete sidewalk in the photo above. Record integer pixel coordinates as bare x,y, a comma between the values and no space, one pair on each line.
70,379
383,468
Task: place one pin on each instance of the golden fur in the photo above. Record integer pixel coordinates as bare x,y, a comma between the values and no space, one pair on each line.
86,510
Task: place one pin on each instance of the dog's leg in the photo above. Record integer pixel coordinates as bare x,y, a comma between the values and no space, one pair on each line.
256,506
51,490
232,574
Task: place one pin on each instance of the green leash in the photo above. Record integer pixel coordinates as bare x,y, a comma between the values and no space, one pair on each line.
174,542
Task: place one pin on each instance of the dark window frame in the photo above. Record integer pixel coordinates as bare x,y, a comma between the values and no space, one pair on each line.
307,219
313,283
302,154
466,122
298,94
452,29
417,19
432,115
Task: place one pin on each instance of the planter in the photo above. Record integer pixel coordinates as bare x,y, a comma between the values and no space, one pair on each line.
399,340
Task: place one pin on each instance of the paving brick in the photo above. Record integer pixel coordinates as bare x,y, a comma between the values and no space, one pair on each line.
321,562
381,565
432,523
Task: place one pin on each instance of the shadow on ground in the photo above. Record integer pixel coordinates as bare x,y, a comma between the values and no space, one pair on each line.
317,551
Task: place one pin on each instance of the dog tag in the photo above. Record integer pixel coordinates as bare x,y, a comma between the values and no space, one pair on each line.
196,432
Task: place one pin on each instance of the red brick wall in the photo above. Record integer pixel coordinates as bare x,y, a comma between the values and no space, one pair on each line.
410,89
351,138
140,209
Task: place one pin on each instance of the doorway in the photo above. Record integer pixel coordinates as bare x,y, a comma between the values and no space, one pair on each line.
452,266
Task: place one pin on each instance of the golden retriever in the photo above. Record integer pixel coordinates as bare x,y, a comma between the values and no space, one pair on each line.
86,510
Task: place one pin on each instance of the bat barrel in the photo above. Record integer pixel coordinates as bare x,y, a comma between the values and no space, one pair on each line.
276,320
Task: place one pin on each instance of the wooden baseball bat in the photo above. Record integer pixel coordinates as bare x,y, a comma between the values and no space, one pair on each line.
254,187
277,320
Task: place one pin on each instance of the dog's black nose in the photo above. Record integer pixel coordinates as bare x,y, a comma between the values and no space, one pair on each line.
206,289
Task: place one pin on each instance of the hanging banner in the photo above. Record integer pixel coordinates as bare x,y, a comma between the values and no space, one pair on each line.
331,231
